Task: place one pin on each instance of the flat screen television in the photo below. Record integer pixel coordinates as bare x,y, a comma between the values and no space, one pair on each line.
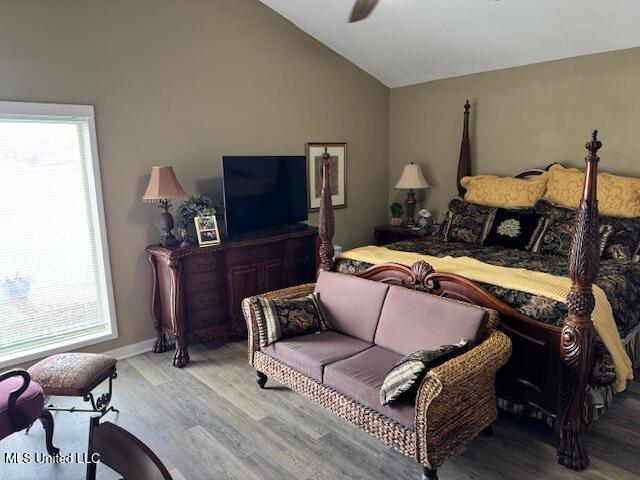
261,193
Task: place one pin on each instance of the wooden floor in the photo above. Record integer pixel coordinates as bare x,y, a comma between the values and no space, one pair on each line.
210,421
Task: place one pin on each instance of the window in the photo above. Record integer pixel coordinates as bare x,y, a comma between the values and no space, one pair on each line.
55,283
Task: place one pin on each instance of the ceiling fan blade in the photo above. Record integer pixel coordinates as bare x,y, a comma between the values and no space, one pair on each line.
362,9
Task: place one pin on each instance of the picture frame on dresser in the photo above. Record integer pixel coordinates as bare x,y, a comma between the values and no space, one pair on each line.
338,180
207,231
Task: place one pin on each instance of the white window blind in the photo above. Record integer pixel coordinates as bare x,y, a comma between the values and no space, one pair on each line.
55,286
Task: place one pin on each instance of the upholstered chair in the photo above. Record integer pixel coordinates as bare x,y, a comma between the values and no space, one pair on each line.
21,404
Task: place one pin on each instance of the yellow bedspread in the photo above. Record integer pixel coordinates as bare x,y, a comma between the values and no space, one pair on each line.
536,283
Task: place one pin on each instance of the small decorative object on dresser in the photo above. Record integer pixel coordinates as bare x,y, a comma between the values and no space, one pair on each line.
338,180
197,205
196,292
162,188
411,179
207,231
396,214
426,219
386,234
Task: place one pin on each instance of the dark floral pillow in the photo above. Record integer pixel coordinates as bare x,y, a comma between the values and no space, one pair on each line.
619,237
466,222
279,319
624,241
408,372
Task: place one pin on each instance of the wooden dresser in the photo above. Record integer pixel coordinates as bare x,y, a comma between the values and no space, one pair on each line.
197,291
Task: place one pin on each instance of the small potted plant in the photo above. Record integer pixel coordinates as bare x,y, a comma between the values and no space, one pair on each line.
396,213
198,205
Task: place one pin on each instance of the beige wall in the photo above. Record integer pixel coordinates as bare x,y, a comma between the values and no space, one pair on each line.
182,83
521,117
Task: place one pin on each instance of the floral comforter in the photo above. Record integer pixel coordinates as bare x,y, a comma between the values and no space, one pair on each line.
619,280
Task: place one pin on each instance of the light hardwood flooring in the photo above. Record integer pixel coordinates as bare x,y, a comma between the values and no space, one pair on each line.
210,421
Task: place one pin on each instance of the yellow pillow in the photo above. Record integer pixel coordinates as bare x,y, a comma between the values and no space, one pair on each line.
506,192
617,196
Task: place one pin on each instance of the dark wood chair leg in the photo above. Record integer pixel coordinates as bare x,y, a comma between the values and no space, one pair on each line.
488,431
261,378
429,474
47,423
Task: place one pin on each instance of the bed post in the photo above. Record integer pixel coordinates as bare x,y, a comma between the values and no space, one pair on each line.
326,226
576,348
464,162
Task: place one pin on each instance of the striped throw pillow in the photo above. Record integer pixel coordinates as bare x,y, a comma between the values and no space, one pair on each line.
279,319
409,371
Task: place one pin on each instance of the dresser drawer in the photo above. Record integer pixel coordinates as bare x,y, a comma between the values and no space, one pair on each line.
302,245
256,253
200,282
207,299
203,263
210,317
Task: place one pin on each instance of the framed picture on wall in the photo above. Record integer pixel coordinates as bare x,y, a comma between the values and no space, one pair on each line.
207,231
338,167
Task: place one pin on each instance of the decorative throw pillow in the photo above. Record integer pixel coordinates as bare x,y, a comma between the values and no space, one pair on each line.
557,231
409,371
617,196
279,319
466,222
505,192
623,242
515,229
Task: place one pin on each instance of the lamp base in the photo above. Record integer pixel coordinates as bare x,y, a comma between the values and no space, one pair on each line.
165,225
410,203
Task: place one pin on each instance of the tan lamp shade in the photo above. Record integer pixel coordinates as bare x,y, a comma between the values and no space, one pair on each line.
163,185
412,178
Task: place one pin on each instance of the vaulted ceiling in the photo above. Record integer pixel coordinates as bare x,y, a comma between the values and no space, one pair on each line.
405,42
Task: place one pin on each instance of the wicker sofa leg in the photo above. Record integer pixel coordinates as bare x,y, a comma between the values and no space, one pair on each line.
428,474
261,378
488,431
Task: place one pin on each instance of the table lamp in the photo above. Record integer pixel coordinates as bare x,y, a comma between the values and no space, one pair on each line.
411,179
164,187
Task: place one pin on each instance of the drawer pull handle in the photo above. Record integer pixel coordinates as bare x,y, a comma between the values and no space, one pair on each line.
206,283
207,302
205,264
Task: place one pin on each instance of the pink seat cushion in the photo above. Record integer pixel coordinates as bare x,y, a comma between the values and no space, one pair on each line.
411,321
30,404
352,304
360,378
309,354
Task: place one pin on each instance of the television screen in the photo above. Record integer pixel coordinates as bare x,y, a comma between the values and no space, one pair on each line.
263,192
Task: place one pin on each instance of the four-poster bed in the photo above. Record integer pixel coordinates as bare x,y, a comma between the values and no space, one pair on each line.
550,364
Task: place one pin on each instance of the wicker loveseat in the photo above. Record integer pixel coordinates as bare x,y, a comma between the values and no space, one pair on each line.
373,325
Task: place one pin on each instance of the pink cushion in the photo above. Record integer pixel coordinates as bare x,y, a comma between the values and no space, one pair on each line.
360,378
309,354
411,321
30,403
352,304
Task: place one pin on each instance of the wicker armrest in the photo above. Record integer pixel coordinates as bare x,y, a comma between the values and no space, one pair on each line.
252,327
457,399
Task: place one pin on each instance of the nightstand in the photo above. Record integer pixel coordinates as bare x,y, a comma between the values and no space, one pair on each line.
385,234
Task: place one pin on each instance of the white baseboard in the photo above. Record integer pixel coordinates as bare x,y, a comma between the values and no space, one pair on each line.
131,350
